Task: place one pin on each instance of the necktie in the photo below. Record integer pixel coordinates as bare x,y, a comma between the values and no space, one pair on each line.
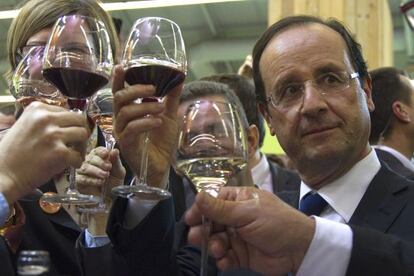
312,204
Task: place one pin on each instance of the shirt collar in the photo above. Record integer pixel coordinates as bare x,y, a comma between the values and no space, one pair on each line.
404,160
260,171
345,193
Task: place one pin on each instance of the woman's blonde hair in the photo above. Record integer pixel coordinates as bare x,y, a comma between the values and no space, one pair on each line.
36,15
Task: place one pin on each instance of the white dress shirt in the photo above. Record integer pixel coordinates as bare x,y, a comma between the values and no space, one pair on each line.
261,174
331,245
404,160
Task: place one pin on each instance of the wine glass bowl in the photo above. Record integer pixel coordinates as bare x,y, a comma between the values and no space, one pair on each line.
78,61
154,54
28,83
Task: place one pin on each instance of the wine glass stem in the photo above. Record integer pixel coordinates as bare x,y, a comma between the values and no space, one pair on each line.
109,145
144,160
204,246
72,181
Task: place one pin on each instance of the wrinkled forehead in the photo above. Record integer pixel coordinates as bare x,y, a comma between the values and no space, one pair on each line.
307,47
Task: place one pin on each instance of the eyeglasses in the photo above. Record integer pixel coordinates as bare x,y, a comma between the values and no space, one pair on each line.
23,51
408,11
330,83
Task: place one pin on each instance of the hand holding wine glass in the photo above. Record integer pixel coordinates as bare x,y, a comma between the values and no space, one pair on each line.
78,61
29,85
212,148
155,66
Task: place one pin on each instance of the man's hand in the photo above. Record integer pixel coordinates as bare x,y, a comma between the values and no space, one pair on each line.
100,165
253,229
133,119
42,143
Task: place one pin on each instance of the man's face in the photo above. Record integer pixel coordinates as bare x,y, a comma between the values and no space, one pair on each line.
319,129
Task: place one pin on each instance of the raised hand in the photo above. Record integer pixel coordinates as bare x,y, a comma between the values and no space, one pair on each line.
254,229
42,143
132,121
100,165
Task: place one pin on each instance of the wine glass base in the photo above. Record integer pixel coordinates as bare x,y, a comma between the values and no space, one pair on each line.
93,210
72,199
142,192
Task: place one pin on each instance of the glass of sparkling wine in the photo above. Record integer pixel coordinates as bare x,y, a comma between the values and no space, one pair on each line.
211,148
33,262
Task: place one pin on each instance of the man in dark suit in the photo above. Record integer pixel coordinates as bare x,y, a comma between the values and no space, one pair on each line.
315,92
392,121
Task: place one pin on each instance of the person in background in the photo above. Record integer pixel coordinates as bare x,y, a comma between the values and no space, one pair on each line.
266,174
314,90
392,121
56,230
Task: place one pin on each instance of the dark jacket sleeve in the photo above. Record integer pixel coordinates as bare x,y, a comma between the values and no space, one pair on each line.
375,253
6,259
147,248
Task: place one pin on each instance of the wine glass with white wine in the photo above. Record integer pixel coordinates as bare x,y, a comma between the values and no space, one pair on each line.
212,148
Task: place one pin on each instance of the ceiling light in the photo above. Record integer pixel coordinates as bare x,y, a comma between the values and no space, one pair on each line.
135,5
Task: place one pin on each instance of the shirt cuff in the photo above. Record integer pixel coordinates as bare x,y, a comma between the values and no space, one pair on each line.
95,241
4,209
137,210
330,249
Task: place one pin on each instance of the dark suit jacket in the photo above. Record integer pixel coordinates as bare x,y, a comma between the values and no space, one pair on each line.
386,207
383,231
394,163
62,238
6,259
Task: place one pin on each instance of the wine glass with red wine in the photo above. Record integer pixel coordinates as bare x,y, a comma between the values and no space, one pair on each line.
154,54
28,85
78,61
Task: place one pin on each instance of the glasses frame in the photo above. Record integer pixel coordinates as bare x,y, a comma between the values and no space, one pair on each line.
270,99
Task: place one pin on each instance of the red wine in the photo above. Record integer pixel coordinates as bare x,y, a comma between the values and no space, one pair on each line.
163,77
75,83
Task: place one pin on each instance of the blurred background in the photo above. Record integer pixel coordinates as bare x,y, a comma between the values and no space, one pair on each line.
219,34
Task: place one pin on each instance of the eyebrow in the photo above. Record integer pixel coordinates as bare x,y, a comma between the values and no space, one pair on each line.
330,67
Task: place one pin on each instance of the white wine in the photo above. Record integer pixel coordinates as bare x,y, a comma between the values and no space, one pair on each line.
104,122
210,174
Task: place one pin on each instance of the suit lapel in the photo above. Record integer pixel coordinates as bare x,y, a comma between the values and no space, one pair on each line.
290,197
384,199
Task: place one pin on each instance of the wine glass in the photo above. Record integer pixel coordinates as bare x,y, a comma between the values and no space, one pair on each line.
29,85
33,262
154,54
211,149
100,109
78,61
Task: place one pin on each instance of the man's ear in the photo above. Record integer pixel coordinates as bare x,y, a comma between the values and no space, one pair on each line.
266,115
252,140
400,111
367,87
